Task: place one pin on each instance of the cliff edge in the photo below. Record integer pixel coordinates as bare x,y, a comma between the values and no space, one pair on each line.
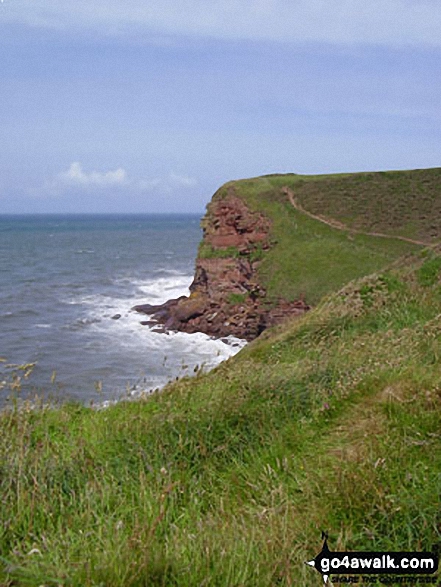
275,245
226,295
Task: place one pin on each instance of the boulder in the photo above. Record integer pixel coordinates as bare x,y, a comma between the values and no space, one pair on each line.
190,308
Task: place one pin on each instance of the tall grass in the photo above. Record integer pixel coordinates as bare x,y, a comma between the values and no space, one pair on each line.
228,478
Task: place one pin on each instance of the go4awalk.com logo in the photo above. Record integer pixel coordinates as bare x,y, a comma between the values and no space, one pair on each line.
374,563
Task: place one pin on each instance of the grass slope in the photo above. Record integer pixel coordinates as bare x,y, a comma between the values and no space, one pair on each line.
227,479
309,259
405,203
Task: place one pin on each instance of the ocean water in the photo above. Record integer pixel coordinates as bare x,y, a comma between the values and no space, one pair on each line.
63,278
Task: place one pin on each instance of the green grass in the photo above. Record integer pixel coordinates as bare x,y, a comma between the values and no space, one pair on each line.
206,251
227,479
405,203
308,259
429,273
237,298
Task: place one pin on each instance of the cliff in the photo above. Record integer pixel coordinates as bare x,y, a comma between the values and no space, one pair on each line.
275,245
226,295
333,417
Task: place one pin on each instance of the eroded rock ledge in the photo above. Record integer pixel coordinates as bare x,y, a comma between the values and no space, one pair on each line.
226,296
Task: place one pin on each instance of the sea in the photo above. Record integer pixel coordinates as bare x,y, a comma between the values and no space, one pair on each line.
65,279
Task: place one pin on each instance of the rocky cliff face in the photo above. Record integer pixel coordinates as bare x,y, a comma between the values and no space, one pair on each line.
226,296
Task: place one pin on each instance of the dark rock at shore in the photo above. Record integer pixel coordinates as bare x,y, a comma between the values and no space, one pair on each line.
226,297
189,308
160,330
116,317
152,309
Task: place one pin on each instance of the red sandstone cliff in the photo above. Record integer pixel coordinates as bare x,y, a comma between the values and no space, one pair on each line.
226,296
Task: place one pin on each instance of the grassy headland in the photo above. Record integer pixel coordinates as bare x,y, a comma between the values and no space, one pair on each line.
329,422
309,259
404,203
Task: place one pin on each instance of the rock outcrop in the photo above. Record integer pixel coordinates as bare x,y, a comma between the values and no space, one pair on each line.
226,296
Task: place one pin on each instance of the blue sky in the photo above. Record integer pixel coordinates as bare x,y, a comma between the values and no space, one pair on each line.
136,106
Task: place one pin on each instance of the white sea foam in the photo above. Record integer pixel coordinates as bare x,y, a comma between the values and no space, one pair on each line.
161,289
181,354
59,309
169,272
179,351
172,354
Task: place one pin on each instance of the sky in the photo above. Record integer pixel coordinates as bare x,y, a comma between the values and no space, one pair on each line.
140,106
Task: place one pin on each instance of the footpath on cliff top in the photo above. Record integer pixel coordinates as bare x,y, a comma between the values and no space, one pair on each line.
273,246
340,226
329,421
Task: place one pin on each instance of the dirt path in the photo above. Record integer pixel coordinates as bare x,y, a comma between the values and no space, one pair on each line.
340,226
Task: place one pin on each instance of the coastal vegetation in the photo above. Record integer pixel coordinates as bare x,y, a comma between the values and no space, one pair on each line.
326,422
310,259
398,203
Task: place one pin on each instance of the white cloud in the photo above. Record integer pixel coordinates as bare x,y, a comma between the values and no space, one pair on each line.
390,22
76,176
